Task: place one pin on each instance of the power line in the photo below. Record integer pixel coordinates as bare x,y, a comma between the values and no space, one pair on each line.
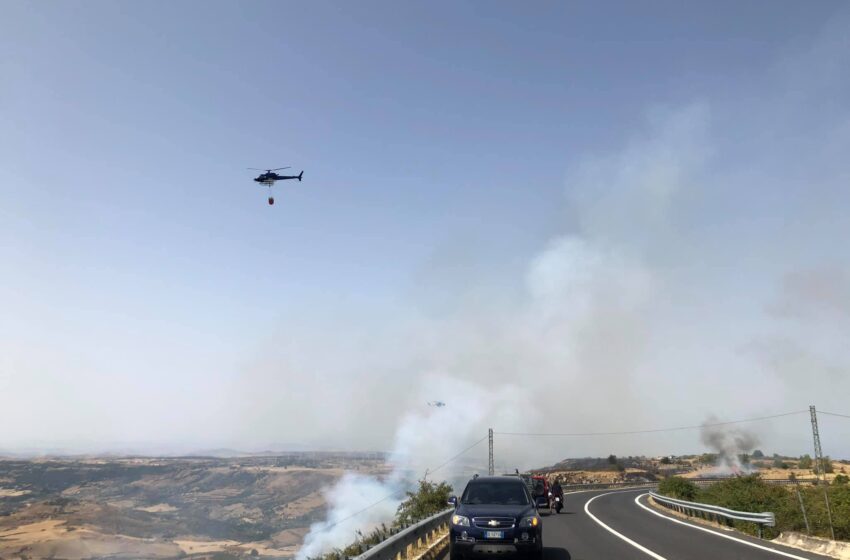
432,471
656,430
834,414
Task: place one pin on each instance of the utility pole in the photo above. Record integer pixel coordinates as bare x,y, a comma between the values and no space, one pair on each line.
491,468
818,450
821,466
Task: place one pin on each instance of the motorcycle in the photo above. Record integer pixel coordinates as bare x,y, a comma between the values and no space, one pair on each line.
554,503
558,504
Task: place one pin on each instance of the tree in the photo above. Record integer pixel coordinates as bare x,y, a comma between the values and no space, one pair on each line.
612,459
778,463
841,479
757,454
827,465
708,458
805,462
665,460
431,498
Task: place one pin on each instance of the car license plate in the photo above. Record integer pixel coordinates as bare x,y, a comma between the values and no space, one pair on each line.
493,534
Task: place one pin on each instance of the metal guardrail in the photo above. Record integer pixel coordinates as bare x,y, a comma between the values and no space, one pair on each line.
400,545
699,481
707,481
691,508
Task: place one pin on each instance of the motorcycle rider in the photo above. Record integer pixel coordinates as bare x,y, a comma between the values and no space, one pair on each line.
557,491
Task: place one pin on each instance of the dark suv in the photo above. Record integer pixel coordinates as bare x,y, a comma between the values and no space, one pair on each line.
496,516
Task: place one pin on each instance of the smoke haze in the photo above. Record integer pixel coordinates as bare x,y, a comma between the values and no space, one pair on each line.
693,266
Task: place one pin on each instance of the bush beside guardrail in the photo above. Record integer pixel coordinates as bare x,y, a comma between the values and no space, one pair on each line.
410,542
420,506
797,508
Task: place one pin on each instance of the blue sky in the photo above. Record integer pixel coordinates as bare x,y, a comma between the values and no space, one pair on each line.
445,146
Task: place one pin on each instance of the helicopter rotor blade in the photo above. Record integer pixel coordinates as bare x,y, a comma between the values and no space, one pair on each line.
254,169
279,168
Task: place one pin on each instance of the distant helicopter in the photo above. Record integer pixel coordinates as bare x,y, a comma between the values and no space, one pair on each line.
269,177
437,404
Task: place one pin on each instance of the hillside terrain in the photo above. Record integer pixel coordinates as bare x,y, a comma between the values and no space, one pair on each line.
166,507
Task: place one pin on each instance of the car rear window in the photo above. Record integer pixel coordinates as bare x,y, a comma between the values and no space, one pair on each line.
495,493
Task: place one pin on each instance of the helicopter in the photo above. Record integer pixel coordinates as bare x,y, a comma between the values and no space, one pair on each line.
437,404
268,178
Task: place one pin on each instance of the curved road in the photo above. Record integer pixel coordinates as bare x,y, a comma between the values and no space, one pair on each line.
619,525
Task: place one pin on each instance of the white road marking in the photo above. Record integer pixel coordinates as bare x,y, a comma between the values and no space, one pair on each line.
615,533
707,530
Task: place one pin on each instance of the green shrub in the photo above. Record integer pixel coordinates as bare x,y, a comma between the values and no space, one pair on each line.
752,494
839,501
841,479
428,500
678,487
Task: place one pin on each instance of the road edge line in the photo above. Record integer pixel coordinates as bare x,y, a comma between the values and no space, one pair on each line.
707,530
615,533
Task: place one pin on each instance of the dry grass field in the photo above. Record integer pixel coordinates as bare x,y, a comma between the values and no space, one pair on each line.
165,508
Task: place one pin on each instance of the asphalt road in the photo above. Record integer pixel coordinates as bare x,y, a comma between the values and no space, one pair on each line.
605,525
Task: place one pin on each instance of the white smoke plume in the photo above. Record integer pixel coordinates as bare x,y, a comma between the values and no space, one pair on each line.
354,503
423,440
